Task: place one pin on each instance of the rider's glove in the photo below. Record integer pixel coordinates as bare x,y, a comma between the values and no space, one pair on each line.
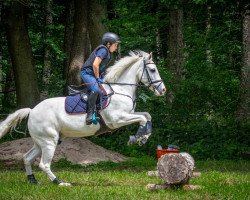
99,80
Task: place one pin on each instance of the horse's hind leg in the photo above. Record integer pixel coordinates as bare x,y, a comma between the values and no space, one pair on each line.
28,159
48,151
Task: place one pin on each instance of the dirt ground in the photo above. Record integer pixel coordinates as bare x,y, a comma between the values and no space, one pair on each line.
78,151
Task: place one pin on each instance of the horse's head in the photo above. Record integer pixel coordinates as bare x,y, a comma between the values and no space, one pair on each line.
148,74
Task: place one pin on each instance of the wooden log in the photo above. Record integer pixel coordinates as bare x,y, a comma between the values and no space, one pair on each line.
156,173
155,187
196,174
191,187
175,168
189,159
153,173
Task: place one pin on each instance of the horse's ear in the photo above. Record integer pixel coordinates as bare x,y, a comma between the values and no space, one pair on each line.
150,56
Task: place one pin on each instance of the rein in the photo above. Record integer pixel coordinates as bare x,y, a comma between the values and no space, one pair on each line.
140,82
151,83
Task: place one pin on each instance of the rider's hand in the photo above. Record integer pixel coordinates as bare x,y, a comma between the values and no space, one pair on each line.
99,80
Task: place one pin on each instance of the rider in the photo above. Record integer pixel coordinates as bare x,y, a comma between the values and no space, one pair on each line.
92,70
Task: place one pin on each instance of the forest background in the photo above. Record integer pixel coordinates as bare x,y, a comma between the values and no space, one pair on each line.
201,47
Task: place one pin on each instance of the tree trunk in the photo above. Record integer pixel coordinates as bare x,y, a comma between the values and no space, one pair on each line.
21,56
175,168
208,30
47,62
8,89
243,110
158,45
175,43
97,16
1,80
78,50
68,38
1,56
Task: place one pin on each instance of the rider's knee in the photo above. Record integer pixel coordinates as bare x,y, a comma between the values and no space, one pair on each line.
97,90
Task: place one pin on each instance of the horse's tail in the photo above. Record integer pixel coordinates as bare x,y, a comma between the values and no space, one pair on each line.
12,120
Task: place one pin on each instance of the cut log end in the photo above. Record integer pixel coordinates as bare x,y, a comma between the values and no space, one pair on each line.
175,168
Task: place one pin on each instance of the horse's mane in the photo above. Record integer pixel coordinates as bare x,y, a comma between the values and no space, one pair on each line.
115,71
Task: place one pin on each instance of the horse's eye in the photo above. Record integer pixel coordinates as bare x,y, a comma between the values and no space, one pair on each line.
152,70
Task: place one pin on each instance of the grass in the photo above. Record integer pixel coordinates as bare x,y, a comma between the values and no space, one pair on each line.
127,180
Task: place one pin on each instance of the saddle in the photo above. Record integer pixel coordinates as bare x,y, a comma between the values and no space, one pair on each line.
76,101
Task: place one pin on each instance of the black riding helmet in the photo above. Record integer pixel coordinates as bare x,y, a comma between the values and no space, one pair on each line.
110,37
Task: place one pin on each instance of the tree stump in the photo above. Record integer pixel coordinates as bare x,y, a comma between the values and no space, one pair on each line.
176,168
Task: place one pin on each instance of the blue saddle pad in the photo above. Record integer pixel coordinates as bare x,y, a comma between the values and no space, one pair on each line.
75,104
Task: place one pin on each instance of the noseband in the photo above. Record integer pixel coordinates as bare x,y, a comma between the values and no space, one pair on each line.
150,81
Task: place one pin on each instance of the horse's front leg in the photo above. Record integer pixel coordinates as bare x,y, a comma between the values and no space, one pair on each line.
144,130
146,114
122,119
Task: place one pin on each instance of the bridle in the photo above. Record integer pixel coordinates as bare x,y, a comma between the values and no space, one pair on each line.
140,83
150,81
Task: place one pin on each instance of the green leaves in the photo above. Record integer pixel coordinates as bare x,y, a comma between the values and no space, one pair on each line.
144,97
201,115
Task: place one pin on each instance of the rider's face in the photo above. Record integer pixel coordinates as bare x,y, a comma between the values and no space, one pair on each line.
113,47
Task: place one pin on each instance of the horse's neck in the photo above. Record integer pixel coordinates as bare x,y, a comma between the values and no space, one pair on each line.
129,77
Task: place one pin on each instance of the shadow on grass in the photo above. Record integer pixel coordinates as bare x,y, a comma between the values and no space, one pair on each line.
132,164
94,184
144,163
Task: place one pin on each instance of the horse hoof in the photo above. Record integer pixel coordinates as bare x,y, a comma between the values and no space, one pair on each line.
65,184
32,179
132,140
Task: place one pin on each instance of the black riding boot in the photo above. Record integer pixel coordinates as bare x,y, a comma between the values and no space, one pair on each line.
91,107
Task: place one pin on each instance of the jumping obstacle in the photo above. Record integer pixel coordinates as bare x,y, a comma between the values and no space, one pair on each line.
175,169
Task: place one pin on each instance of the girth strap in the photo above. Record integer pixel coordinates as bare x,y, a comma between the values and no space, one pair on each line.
103,127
